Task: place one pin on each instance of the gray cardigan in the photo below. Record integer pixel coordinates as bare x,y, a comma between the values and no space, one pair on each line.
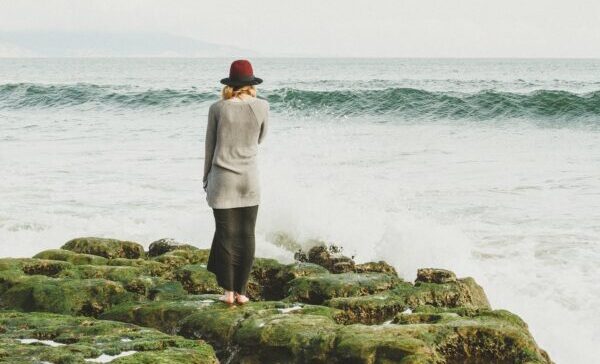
234,130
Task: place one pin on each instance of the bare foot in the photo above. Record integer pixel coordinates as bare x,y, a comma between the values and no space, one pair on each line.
241,299
227,297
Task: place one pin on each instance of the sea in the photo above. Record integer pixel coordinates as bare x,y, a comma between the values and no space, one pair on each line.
487,167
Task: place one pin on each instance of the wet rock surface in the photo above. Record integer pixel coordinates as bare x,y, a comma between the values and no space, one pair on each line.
50,338
323,308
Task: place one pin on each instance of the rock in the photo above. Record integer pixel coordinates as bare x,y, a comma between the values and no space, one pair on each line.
318,288
71,257
65,339
195,278
264,283
166,245
177,258
165,316
333,261
121,274
432,275
289,329
167,291
108,248
64,295
148,267
29,266
302,312
379,267
480,336
281,338
371,309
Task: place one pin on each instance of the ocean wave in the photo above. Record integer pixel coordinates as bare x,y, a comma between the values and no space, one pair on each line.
395,101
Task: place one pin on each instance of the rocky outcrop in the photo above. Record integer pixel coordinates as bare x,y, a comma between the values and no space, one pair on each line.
51,338
323,308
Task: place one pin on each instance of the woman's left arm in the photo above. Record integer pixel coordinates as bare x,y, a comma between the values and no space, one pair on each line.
264,126
209,144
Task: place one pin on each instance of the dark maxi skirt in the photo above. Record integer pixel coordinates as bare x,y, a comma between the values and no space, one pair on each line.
232,251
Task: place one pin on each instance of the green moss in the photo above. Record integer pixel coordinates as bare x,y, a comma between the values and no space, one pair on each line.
163,246
165,316
195,278
318,288
68,296
121,274
300,338
71,257
377,308
108,248
148,267
84,338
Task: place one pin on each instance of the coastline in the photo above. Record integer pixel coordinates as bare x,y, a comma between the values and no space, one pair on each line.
324,307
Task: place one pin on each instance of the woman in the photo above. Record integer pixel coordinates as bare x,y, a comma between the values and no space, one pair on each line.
236,125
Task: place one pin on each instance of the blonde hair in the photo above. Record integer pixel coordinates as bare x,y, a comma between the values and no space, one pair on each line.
230,91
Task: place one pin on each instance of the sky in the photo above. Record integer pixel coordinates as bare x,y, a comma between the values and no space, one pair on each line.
350,28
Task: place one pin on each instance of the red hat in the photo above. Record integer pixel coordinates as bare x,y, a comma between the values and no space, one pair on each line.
241,74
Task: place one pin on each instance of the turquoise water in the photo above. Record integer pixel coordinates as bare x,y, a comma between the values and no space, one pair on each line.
490,168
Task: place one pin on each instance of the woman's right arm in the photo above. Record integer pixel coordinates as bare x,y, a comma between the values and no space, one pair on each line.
209,144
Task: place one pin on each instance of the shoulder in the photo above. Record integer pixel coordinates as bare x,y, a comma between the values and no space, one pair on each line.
215,107
263,103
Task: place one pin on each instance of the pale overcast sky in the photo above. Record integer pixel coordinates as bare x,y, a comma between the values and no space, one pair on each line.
386,28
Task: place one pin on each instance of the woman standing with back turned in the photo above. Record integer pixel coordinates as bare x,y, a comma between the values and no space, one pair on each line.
236,125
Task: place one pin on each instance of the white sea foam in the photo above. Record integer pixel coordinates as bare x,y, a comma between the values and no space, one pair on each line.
44,342
105,358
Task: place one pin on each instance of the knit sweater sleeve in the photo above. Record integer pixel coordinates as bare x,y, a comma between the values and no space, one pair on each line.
265,125
209,143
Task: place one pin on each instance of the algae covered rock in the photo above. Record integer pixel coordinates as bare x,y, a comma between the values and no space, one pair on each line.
380,267
178,257
29,266
195,278
64,295
318,288
44,337
432,275
330,258
166,245
382,306
330,310
108,248
71,257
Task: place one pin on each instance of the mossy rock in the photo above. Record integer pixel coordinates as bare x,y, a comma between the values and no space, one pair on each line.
121,274
195,279
379,267
165,316
285,338
263,283
178,258
166,245
218,323
107,248
434,275
379,307
147,267
88,297
69,339
71,257
31,266
383,344
318,288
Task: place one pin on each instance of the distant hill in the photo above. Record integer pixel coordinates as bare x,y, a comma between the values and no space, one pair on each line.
99,44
